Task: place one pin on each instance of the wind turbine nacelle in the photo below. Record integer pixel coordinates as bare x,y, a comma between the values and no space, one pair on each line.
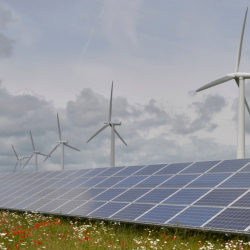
64,142
240,74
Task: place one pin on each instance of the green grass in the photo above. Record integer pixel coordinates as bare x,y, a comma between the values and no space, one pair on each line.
38,231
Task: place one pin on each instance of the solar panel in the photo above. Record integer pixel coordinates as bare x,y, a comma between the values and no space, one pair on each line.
195,216
160,214
207,195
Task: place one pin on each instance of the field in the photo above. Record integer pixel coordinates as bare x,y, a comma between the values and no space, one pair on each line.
38,231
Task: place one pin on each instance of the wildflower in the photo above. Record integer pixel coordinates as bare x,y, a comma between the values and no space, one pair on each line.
166,237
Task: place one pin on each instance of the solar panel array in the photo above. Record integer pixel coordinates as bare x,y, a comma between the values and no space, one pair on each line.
210,195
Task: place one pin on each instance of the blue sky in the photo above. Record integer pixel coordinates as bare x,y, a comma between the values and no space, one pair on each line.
66,53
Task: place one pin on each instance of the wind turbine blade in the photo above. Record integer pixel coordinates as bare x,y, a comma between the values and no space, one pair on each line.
52,151
15,152
110,104
15,167
120,137
42,154
72,147
32,141
59,129
28,160
100,130
240,45
247,106
24,158
216,82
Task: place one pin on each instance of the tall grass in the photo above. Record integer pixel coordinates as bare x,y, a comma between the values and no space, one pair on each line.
38,231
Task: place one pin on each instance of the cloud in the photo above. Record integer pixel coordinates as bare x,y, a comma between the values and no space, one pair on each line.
205,111
119,21
150,131
6,44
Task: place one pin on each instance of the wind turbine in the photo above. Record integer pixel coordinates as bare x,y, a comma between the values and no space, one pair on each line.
60,142
19,160
34,153
239,77
113,131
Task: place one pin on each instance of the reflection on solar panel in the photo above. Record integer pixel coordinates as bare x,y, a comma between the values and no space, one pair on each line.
213,195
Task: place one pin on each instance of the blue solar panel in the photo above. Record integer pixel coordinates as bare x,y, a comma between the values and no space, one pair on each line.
243,201
36,205
131,195
129,170
92,182
151,169
156,195
65,174
54,174
43,193
25,203
178,181
62,182
109,194
220,197
87,208
186,196
153,181
52,205
110,171
80,173
76,182
195,216
173,168
91,193
132,211
233,218
69,206
230,165
161,213
57,193
239,180
245,169
12,203
30,192
94,172
110,182
130,181
72,193
209,180
108,209
199,167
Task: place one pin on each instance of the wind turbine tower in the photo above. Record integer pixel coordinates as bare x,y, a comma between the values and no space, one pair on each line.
239,77
113,132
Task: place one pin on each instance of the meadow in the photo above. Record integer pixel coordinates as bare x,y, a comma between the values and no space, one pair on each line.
39,231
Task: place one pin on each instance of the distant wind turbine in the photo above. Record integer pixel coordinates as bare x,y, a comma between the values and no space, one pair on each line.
19,160
113,131
240,80
60,142
34,153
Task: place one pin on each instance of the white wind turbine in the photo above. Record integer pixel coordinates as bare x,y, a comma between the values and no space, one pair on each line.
240,80
19,160
34,153
60,142
113,131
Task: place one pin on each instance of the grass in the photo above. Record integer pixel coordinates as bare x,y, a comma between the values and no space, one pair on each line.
38,231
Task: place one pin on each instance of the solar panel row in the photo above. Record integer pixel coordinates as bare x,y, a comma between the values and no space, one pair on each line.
213,194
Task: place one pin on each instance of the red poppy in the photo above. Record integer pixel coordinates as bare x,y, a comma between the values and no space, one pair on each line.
174,238
110,242
166,237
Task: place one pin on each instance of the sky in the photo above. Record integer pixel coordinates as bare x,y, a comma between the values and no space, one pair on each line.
62,56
